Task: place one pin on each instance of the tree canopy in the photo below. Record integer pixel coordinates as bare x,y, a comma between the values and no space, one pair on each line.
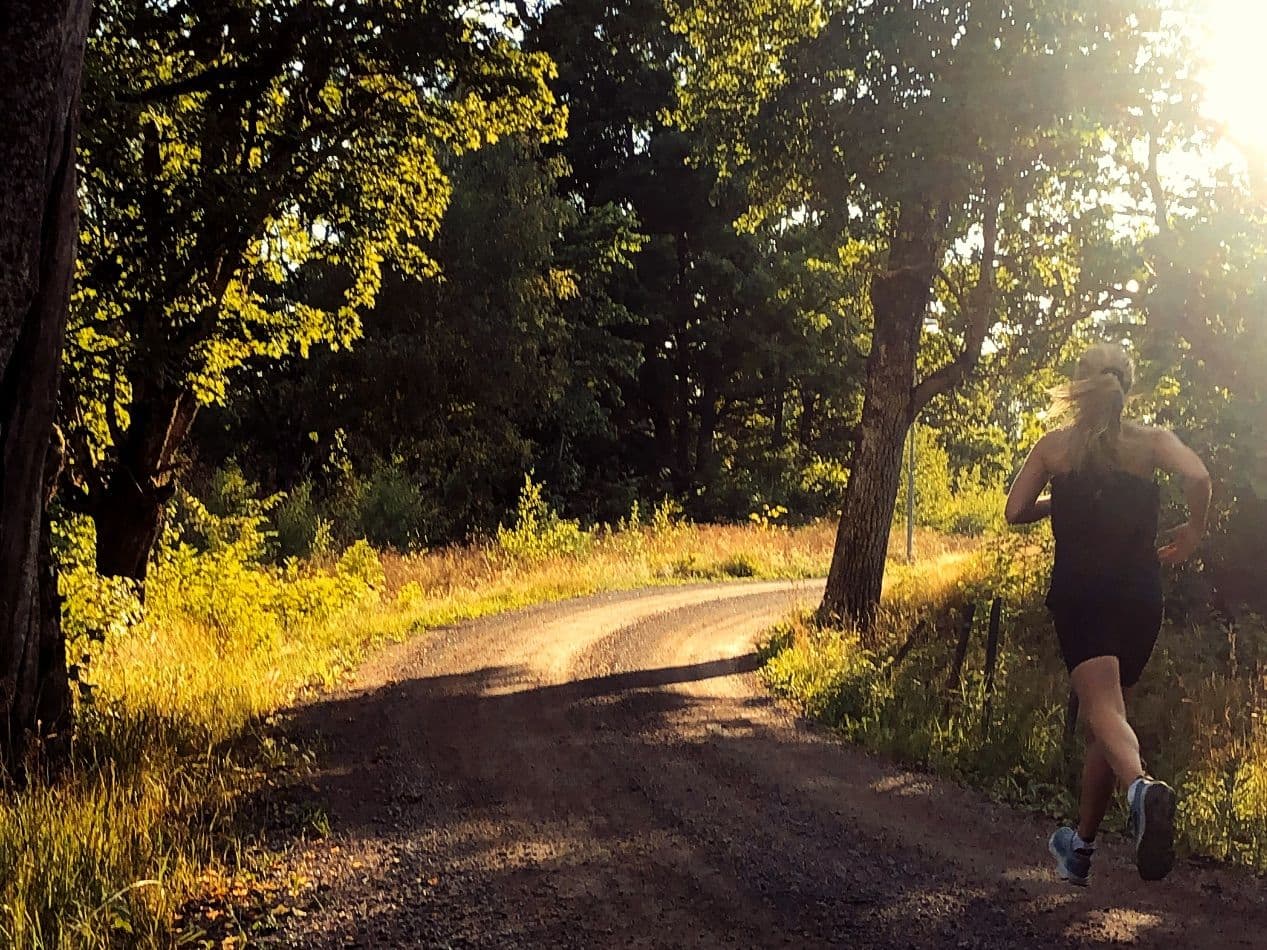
964,149
250,170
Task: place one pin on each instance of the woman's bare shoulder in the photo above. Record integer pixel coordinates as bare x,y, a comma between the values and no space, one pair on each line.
1143,446
1144,436
1141,429
1054,446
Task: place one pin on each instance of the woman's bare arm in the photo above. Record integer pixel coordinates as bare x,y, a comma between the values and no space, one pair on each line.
1175,457
1024,506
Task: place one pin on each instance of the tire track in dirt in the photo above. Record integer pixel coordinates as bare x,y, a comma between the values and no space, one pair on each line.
607,772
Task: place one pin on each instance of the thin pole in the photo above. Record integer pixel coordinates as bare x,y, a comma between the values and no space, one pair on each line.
910,497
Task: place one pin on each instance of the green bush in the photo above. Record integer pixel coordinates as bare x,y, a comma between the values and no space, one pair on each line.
962,503
298,522
829,675
739,565
390,510
214,570
539,532
94,608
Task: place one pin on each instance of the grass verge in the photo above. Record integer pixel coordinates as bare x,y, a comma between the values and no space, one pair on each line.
154,815
1199,711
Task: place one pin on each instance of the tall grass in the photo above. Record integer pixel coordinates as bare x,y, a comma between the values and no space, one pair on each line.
154,810
1199,710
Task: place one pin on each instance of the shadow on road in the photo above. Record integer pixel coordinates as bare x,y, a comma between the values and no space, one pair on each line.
618,810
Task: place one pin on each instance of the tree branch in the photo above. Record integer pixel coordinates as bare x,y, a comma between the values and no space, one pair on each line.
978,307
955,290
1161,213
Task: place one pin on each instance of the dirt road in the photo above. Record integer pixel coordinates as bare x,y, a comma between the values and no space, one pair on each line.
607,773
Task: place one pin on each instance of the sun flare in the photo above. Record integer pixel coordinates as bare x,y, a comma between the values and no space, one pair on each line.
1235,70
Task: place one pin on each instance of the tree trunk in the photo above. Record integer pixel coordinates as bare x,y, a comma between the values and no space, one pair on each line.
805,425
41,62
899,300
705,442
129,520
129,513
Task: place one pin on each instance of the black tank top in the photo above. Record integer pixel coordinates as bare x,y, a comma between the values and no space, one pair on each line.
1105,525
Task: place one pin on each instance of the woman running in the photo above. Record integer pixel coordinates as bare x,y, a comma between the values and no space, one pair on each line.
1105,596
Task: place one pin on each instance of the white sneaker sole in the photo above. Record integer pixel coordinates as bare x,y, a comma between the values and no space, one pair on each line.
1062,871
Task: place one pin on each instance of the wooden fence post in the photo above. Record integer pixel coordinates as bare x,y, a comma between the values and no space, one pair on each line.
911,642
961,651
991,661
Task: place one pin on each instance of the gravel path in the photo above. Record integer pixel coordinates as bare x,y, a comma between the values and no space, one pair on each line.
608,773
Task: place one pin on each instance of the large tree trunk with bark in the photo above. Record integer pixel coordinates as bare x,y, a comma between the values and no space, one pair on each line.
128,511
41,63
899,301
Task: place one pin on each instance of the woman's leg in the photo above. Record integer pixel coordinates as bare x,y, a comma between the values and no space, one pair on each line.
1098,784
1102,706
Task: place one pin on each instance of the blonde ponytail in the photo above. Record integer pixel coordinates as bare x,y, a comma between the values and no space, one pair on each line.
1095,401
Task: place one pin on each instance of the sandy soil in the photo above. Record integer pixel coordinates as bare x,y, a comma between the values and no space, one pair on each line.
608,773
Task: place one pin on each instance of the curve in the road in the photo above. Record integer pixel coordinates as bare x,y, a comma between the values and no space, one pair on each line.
607,772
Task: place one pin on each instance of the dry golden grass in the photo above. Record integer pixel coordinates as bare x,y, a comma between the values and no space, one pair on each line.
150,813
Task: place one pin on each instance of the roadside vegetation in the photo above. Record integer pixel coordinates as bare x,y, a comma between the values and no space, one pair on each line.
1199,710
176,732
346,272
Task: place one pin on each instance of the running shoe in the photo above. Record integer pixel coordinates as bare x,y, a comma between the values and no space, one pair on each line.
1072,864
1152,823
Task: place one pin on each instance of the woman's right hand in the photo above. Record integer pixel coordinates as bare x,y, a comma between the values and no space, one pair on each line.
1184,541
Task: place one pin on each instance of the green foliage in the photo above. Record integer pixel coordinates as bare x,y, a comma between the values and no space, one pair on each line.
829,675
390,510
330,156
768,518
538,531
252,172
513,361
953,503
298,523
1199,710
233,518
667,518
214,572
739,565
94,608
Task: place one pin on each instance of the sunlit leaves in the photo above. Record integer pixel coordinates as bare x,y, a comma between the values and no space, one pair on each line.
251,168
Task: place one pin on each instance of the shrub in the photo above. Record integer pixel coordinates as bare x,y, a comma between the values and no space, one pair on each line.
539,532
230,588
298,522
739,565
94,608
963,503
390,510
829,675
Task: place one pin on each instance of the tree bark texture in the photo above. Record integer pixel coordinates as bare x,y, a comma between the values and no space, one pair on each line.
41,63
899,301
128,510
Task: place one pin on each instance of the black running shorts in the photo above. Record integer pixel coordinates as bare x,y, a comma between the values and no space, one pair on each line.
1124,627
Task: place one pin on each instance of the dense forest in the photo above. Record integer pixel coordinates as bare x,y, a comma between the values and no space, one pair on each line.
665,282
390,271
